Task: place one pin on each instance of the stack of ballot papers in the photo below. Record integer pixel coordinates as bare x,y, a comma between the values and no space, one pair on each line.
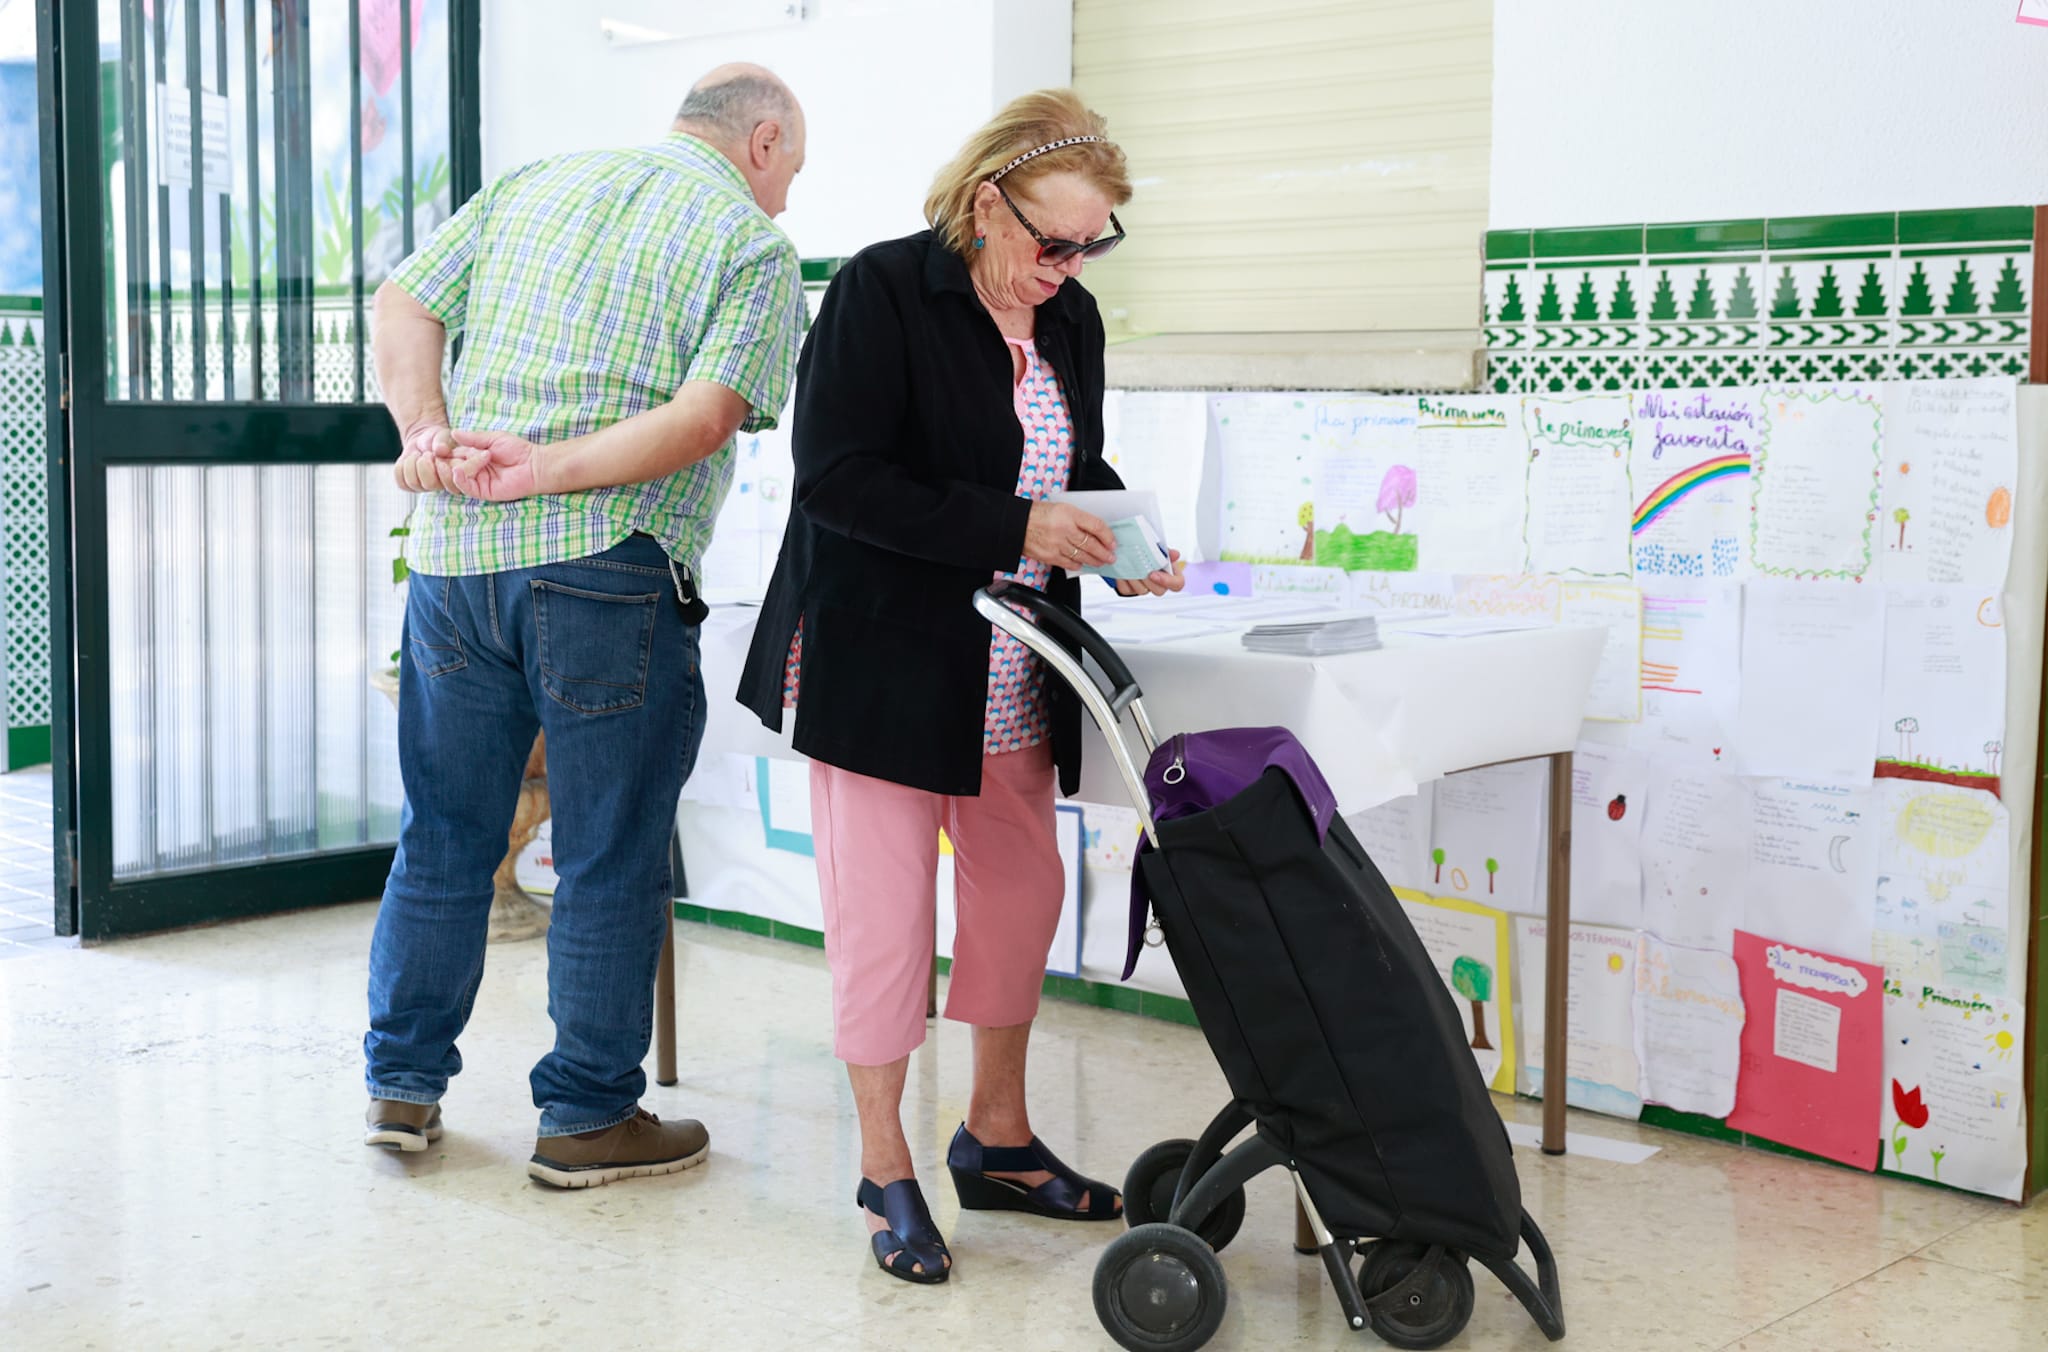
1316,638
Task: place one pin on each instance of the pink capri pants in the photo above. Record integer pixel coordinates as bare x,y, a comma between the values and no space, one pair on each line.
878,856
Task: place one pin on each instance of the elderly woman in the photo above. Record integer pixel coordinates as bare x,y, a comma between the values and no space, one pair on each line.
953,380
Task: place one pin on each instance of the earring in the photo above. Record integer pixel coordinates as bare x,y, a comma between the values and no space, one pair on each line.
979,241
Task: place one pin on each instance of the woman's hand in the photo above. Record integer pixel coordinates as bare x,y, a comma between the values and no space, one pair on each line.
1063,536
1159,583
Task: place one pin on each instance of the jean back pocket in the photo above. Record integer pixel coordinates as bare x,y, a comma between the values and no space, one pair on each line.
594,646
430,631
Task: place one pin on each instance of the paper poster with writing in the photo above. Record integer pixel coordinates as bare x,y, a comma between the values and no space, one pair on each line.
1812,1051
1366,487
1944,860
1813,864
1159,440
1616,695
1396,836
1381,593
1516,597
1689,1020
1487,836
1600,1007
1943,712
1469,461
1691,673
1268,477
1689,463
1812,679
1695,855
1470,946
1576,523
1609,799
1814,482
1109,836
1954,1078
1951,464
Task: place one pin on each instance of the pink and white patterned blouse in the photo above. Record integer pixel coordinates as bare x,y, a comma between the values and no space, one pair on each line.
1016,716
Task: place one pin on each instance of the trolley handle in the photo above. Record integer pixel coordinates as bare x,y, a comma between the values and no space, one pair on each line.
1058,619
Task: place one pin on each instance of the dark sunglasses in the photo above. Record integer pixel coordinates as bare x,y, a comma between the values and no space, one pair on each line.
1053,252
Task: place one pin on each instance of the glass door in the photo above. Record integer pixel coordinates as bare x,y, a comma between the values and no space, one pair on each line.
235,179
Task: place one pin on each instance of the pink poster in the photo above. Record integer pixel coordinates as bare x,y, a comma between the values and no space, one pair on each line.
1812,1050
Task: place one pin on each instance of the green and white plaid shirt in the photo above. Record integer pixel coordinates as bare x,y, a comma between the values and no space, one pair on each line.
589,288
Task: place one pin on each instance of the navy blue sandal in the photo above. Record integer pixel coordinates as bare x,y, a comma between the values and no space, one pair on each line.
1059,1197
911,1236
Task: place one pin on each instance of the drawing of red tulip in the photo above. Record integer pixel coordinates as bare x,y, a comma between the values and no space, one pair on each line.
1912,1114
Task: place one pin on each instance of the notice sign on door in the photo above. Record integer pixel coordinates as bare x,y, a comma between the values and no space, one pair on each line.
174,137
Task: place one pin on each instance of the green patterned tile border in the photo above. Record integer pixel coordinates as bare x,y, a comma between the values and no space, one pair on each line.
1872,296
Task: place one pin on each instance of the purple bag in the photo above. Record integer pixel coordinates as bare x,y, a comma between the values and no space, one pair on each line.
1193,772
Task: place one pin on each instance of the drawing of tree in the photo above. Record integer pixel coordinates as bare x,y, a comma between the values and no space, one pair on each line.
1437,857
1962,293
1906,727
1919,297
1664,302
1785,304
1492,867
1397,492
1870,300
1992,751
1702,306
1473,979
1549,309
2010,298
1827,302
1623,305
1511,311
1306,519
1901,515
1742,300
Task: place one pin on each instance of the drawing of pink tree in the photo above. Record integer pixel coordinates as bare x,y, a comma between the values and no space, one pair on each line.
1397,493
1906,727
1992,751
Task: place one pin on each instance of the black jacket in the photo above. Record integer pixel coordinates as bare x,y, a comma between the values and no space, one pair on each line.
907,449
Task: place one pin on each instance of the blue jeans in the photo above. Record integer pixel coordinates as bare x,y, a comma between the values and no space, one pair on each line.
596,654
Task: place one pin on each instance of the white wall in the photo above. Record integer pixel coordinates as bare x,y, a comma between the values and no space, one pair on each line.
1611,113
890,88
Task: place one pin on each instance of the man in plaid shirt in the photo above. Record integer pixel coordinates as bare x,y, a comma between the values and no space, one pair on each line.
636,306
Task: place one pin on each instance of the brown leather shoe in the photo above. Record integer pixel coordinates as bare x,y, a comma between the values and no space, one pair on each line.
402,1126
640,1147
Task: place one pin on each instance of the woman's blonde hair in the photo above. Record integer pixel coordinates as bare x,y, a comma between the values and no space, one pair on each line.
1025,123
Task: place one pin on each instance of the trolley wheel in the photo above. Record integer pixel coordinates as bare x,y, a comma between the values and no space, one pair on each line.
1148,1194
1430,1316
1159,1288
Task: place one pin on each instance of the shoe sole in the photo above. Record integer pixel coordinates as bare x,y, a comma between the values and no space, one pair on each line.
595,1176
410,1140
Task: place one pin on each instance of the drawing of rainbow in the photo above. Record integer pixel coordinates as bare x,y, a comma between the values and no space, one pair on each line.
1683,482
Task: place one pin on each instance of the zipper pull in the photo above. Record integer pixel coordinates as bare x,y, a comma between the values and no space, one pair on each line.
1177,771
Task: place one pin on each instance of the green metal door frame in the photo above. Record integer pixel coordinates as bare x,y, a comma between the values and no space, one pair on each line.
90,433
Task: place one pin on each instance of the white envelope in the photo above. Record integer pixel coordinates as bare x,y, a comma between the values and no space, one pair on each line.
1116,504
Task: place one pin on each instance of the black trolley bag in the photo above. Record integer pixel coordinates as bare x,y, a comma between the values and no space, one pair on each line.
1340,1043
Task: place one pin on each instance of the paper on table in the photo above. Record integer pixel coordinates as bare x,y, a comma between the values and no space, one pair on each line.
1296,580
1609,794
1696,848
1396,836
1372,593
1616,694
1159,441
1577,521
1365,484
1812,679
1516,596
1943,860
1816,472
1951,452
1689,464
1219,579
1944,683
1812,1051
1132,624
1813,866
1268,456
1952,1110
1689,1020
1691,673
1470,946
1487,835
1471,465
1600,1002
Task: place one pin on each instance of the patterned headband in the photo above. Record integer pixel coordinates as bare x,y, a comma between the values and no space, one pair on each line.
1044,149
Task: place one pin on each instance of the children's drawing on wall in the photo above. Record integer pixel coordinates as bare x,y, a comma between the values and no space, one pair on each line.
1951,458
1473,980
1943,698
1488,835
1470,467
1469,945
1954,1087
1577,522
1814,482
1268,478
1365,484
1689,461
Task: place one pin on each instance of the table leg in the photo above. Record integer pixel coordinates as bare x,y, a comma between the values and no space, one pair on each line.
665,971
931,990
1557,953
1304,1233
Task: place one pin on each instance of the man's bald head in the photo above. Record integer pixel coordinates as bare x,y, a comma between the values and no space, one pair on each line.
752,117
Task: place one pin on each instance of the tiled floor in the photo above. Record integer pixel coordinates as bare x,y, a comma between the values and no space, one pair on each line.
180,1168
25,866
